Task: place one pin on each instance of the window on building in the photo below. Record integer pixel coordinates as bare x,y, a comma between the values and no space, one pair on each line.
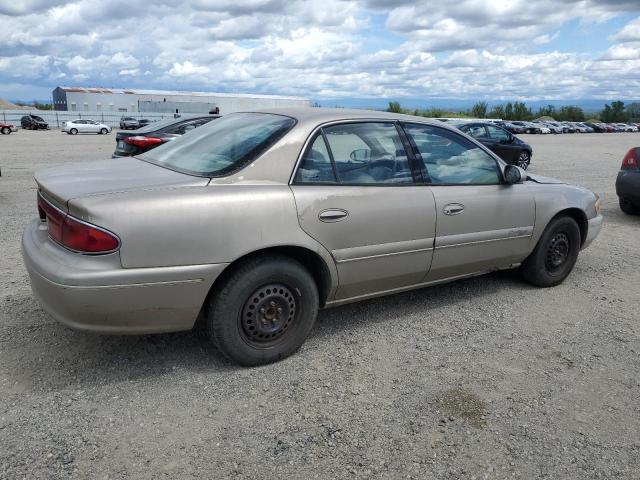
98,107
86,107
73,106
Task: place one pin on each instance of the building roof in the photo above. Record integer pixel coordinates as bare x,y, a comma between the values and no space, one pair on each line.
137,91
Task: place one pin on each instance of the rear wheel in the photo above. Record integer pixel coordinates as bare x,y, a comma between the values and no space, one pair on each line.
628,207
555,254
73,131
524,159
6,130
263,310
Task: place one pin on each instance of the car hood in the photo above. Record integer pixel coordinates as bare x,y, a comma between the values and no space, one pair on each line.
541,179
64,183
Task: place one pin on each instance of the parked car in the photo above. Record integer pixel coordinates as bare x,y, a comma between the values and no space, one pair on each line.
73,127
129,123
530,127
596,127
254,221
553,127
541,127
7,128
580,128
507,146
33,122
510,127
628,182
143,122
155,134
626,127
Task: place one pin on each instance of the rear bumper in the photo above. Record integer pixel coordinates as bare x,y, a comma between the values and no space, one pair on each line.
628,185
94,293
593,230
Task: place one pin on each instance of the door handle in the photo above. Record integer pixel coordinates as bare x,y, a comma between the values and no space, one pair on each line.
453,209
333,215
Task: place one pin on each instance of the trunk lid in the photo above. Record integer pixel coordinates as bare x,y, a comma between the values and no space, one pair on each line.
64,183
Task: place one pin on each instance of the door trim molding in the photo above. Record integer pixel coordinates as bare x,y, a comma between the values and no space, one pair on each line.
367,252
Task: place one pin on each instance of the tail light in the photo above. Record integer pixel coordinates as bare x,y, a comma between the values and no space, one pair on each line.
630,161
143,142
75,234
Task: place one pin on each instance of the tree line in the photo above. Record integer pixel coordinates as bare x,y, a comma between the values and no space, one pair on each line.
616,112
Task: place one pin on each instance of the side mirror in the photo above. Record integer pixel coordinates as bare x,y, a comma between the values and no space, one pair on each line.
361,154
514,174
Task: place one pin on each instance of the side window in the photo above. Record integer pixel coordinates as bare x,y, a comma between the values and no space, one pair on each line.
497,133
316,165
182,128
449,158
476,131
368,153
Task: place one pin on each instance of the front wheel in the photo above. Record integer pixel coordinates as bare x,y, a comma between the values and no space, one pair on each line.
103,131
73,131
6,131
555,254
524,159
263,310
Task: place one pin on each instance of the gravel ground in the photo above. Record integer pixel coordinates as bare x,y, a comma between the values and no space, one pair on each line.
483,378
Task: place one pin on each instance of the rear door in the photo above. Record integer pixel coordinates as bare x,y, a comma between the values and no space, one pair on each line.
356,194
482,224
502,144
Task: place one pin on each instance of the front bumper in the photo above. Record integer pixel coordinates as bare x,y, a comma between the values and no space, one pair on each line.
593,229
94,293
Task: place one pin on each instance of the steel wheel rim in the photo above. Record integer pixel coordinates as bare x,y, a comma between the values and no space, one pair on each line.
557,252
268,314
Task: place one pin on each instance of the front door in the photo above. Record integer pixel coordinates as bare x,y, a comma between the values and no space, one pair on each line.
355,193
482,224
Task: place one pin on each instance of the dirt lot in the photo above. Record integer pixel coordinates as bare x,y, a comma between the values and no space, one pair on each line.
484,378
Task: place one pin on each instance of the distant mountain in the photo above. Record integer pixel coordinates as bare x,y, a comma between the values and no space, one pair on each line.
588,105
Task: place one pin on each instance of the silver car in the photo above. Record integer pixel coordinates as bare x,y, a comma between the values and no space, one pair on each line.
73,127
255,221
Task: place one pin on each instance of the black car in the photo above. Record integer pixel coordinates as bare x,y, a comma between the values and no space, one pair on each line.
628,182
596,128
33,122
507,146
134,143
143,122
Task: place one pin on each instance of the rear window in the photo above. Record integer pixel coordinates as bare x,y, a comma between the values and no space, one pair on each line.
221,147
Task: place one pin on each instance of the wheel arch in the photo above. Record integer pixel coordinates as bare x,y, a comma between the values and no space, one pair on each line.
312,261
581,219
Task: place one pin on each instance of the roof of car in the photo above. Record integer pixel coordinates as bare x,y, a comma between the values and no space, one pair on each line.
322,115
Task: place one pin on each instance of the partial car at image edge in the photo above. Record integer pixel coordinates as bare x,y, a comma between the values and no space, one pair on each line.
628,182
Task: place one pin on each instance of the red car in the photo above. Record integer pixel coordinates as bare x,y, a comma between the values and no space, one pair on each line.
7,128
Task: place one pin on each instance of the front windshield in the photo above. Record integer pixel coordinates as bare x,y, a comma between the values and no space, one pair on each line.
221,147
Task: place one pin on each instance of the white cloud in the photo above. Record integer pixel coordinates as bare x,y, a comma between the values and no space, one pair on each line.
321,48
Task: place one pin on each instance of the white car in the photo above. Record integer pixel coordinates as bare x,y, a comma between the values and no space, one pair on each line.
85,126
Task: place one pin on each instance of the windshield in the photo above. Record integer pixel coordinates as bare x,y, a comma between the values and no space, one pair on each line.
221,147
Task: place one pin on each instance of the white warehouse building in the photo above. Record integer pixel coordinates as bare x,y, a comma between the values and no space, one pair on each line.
83,99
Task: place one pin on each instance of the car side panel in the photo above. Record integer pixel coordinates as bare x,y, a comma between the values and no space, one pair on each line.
199,225
384,242
493,231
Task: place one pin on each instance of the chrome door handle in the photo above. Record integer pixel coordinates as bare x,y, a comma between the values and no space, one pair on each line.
453,209
333,215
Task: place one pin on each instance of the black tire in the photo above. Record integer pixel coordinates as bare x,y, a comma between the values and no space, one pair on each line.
104,131
628,207
263,310
73,131
555,254
524,159
6,130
